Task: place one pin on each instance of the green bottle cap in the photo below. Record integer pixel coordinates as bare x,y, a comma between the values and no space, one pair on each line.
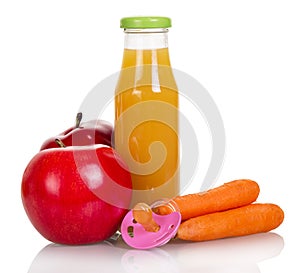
146,22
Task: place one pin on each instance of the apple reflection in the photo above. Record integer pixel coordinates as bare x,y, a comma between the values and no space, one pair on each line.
232,255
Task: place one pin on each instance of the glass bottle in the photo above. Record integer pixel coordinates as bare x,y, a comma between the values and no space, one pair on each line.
146,110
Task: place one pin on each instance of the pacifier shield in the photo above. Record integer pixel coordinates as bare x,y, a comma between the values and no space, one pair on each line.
135,235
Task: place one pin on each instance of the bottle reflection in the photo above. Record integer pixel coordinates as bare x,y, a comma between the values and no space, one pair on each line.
229,255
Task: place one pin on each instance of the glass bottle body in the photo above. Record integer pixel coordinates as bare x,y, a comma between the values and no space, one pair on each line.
146,116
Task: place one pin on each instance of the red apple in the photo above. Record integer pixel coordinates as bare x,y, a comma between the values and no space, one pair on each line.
76,195
85,133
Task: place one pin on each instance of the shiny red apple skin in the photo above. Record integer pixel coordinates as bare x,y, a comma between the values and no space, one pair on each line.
62,190
88,133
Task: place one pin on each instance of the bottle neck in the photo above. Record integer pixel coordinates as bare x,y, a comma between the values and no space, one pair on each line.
145,39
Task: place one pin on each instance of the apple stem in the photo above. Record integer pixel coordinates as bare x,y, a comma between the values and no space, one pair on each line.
60,143
78,119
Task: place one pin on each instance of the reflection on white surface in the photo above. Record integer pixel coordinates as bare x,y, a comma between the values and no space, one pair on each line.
154,261
228,255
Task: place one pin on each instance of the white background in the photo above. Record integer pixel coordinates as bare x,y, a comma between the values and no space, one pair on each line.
245,53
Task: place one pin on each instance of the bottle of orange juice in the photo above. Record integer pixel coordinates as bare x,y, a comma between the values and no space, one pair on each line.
146,110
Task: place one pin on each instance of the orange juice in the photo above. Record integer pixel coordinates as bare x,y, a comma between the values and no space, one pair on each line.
146,117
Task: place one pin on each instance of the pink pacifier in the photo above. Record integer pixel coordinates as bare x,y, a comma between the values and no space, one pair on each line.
143,229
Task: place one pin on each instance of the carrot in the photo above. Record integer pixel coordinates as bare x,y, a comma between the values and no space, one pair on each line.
250,219
230,195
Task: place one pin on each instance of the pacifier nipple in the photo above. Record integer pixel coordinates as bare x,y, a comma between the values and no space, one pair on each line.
142,214
143,229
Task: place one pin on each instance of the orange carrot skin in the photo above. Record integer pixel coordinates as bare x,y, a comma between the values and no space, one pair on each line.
246,220
230,195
